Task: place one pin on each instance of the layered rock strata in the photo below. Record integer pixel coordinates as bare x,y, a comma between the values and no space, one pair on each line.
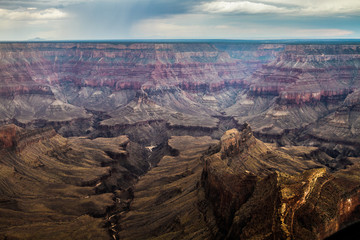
277,88
249,182
166,200
53,187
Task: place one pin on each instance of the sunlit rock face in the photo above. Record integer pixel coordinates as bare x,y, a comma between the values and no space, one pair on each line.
274,193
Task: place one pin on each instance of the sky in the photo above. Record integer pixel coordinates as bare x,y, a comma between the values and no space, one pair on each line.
178,19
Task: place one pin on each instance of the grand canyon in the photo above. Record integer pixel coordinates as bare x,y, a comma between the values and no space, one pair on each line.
179,139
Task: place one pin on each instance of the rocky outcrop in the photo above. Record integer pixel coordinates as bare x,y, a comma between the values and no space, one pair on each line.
308,90
31,137
14,138
8,136
248,182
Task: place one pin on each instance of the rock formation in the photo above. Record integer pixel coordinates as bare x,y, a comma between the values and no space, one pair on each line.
166,204
277,88
131,140
249,182
224,190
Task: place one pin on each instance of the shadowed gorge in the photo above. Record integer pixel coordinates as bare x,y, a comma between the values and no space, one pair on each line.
179,140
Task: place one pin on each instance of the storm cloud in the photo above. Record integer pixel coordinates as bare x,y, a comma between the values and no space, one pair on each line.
180,19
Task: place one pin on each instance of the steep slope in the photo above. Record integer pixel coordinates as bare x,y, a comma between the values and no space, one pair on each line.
306,91
166,201
244,182
142,109
248,182
57,188
342,125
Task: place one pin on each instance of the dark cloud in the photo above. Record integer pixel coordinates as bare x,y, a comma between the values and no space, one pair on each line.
116,19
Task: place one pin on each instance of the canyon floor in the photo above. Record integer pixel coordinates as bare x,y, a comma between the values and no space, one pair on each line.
205,140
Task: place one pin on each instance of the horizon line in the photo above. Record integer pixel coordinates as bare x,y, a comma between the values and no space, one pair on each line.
188,40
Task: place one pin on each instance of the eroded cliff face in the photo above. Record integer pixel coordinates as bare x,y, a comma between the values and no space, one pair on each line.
304,73
124,66
238,188
282,90
169,202
56,84
277,88
249,182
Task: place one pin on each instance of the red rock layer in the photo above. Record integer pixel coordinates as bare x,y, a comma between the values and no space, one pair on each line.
298,73
303,73
11,137
7,136
194,67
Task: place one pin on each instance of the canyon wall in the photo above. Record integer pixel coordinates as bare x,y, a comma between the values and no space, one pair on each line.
248,182
298,72
193,66
302,73
301,99
290,85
